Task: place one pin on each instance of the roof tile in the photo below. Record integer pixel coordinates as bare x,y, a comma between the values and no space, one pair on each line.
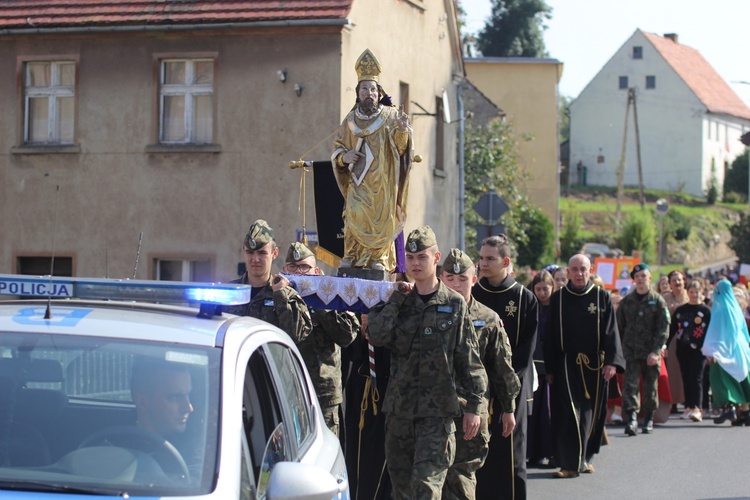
701,77
33,14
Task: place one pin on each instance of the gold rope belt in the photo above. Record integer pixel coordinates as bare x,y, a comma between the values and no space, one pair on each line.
583,360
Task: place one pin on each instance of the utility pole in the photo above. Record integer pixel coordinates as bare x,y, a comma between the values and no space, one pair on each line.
631,98
621,166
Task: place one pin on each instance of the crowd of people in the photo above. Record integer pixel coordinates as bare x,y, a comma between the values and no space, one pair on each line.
480,377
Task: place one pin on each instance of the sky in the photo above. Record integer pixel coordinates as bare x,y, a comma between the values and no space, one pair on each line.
585,34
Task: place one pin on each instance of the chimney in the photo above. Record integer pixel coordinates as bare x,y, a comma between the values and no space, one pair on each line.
671,36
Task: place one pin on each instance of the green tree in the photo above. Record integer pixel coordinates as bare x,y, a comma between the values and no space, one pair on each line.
712,190
740,241
515,29
570,240
539,248
563,103
491,163
735,180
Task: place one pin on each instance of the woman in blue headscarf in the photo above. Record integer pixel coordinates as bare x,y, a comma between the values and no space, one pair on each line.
727,345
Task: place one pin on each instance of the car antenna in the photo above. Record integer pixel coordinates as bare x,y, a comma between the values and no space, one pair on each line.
48,311
137,254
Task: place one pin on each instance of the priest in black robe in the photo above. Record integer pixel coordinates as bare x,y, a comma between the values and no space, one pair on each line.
503,476
582,353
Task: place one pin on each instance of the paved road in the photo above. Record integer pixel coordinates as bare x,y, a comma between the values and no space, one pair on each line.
681,460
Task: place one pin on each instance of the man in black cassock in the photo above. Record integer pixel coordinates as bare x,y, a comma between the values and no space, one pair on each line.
581,354
503,475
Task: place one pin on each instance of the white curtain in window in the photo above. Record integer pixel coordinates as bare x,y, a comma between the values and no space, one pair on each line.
38,119
65,111
174,118
203,121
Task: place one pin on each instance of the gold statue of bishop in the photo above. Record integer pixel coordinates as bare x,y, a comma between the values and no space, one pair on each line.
372,158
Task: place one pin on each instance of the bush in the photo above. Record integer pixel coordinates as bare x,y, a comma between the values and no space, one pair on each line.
639,233
734,197
677,225
538,250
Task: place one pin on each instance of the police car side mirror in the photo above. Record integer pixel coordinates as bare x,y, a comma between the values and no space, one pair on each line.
293,480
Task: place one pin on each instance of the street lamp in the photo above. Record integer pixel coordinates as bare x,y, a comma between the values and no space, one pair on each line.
662,207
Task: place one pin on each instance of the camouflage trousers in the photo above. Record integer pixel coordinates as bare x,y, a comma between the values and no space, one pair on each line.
461,481
418,452
634,368
331,418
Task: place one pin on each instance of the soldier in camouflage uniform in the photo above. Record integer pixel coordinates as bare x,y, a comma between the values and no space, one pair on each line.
276,303
460,275
321,350
643,322
433,349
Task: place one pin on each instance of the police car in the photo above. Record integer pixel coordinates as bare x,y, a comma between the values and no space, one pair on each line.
102,393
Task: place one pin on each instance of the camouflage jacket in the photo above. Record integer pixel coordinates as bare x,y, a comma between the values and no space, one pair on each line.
433,347
321,351
282,308
495,353
643,324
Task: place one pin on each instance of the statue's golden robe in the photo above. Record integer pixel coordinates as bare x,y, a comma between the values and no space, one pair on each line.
375,209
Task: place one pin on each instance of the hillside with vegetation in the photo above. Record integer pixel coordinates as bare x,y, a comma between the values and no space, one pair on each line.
695,233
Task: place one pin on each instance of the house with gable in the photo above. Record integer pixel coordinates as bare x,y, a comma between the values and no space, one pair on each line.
689,120
159,130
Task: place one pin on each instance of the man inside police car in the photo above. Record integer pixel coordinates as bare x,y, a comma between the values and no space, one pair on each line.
275,302
321,350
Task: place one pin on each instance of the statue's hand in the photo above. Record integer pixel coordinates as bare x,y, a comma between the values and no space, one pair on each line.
402,119
351,156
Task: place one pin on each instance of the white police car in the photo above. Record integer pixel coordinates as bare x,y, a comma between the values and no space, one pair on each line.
128,399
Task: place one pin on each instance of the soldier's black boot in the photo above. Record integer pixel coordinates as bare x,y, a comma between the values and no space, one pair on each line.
631,423
648,423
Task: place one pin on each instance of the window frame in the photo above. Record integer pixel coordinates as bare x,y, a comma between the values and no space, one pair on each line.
189,90
187,266
621,80
298,447
650,82
637,52
24,93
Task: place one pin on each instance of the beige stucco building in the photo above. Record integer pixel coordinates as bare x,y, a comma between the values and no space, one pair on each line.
527,91
179,122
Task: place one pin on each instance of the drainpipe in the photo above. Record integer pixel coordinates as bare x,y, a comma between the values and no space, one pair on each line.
461,185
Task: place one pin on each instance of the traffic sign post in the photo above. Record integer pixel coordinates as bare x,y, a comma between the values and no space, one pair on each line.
490,207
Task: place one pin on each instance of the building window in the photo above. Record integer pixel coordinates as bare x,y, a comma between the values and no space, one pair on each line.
183,270
637,52
439,135
186,101
650,82
623,82
40,266
49,102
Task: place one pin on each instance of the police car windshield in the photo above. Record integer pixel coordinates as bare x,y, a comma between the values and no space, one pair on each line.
106,415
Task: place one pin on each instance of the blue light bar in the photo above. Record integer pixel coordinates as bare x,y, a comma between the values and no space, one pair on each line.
114,289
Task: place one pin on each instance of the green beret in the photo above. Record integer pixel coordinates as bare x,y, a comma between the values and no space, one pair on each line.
420,239
638,268
297,252
457,262
259,234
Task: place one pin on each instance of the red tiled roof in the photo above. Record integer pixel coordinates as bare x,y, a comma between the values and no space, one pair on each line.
35,14
701,77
